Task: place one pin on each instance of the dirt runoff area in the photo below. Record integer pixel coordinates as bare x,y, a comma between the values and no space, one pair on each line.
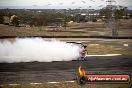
124,28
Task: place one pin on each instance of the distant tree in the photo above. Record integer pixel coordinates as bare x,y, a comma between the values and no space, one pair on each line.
1,19
118,13
112,16
94,20
14,20
79,18
106,12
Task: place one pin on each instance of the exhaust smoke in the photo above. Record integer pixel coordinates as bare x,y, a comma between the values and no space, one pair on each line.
37,49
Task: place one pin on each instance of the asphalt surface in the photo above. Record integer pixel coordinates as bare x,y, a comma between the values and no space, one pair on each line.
62,71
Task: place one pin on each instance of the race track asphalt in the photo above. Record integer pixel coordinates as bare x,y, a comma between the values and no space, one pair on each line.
30,72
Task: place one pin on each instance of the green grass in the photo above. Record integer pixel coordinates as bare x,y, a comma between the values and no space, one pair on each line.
67,85
108,49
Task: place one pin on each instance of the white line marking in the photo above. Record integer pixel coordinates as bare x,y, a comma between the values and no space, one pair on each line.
52,82
104,55
125,44
70,81
40,83
35,83
94,44
14,84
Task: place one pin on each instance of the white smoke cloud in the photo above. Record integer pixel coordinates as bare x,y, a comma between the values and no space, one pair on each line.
37,49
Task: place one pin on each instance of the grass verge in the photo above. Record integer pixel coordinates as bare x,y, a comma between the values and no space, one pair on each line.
67,85
108,49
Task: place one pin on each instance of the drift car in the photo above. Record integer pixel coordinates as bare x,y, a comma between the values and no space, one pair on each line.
83,51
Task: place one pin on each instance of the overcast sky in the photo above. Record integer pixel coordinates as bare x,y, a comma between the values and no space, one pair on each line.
62,3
